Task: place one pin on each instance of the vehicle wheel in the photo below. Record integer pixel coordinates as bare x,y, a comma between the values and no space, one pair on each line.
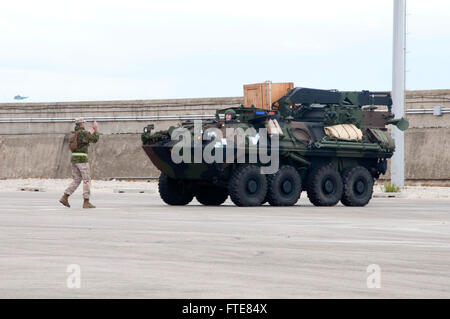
324,186
211,195
247,186
358,186
173,192
284,187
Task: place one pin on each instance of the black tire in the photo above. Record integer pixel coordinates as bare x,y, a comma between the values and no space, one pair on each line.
211,195
173,192
358,186
325,186
284,187
247,186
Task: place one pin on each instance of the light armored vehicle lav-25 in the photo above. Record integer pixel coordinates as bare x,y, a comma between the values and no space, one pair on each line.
331,144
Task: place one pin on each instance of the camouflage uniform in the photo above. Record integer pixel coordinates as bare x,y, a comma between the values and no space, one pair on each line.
80,165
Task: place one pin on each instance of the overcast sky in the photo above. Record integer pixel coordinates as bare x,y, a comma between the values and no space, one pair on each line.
109,50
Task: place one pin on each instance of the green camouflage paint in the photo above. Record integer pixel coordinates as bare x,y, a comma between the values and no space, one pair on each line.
302,115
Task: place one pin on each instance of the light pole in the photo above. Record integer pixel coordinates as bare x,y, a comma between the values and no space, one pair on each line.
398,91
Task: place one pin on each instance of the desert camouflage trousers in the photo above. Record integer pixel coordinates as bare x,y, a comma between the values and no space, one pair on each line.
80,173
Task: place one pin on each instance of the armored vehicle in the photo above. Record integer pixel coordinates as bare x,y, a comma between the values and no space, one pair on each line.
331,144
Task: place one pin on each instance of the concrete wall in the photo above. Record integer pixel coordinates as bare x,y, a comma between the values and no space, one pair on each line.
40,149
428,154
427,141
48,156
70,110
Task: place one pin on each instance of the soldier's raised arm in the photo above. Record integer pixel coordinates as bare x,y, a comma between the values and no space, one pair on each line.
93,133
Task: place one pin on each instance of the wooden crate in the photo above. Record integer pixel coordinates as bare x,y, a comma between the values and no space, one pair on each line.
262,95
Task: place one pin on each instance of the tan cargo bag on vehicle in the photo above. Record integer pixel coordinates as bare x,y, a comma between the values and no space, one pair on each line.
348,132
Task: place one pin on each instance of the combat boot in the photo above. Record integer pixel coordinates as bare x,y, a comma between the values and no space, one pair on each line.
86,204
65,200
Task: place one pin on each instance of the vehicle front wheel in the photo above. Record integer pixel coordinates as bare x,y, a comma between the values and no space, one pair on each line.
358,186
247,186
174,192
211,195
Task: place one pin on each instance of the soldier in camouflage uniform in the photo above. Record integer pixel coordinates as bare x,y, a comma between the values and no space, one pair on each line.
80,164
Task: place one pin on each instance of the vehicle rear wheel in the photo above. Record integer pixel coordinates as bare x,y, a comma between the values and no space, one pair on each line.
284,187
324,186
211,195
174,192
358,186
247,186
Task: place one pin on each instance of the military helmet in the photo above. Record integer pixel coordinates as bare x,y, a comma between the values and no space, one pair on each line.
231,112
79,120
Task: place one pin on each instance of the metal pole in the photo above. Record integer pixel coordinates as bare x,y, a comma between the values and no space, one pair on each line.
398,91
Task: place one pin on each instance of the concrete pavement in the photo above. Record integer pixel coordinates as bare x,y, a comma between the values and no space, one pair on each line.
134,246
